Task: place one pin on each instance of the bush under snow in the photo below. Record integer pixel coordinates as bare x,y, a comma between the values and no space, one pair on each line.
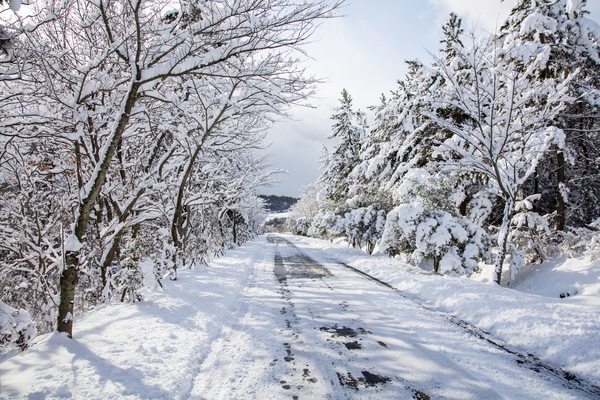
454,244
16,329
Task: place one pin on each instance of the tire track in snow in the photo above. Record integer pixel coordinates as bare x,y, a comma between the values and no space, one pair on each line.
524,359
340,340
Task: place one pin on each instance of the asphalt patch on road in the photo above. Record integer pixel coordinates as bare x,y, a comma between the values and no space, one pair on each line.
369,379
297,266
344,331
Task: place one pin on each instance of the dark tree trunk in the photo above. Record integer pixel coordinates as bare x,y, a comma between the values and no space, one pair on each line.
560,201
68,279
114,249
68,283
462,209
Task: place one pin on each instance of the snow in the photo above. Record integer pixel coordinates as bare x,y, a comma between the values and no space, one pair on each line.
217,331
573,6
576,279
280,215
73,244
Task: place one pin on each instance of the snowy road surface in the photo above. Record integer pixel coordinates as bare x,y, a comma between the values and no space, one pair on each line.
282,318
307,327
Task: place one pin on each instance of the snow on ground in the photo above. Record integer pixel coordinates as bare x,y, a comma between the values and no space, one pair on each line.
146,350
165,345
565,331
575,280
280,215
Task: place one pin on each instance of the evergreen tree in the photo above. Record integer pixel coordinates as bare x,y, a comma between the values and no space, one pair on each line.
349,129
565,41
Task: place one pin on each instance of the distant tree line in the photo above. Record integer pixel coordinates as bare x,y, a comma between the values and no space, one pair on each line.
276,203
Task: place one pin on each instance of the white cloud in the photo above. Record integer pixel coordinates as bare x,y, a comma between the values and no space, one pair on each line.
488,15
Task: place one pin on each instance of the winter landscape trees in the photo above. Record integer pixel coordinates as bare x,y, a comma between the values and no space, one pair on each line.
127,130
488,150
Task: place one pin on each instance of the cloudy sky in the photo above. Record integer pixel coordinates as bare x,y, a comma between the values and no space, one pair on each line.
364,52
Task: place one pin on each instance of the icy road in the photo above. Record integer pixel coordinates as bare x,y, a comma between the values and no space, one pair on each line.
308,327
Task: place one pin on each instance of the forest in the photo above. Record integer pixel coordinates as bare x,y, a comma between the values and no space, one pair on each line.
486,153
128,132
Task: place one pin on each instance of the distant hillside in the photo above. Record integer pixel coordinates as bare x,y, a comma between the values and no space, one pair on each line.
278,203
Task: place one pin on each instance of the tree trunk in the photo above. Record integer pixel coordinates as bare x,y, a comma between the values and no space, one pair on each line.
503,238
462,208
560,201
68,280
68,283
234,227
110,256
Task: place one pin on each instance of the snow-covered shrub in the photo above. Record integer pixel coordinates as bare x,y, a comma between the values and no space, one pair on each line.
303,214
456,245
325,225
16,329
593,246
299,226
575,242
124,281
131,278
530,237
363,226
30,290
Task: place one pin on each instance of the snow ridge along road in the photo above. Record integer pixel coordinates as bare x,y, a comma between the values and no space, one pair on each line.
309,327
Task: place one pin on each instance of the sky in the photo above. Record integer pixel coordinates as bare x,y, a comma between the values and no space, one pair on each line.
364,52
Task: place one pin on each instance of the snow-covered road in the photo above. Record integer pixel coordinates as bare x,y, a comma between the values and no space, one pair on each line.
307,327
286,317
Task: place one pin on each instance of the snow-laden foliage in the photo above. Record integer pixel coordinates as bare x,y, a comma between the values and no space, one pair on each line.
427,226
455,245
363,226
129,279
125,120
498,135
303,213
16,329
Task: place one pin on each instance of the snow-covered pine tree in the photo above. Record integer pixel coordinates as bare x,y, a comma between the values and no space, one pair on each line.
567,41
349,129
498,114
